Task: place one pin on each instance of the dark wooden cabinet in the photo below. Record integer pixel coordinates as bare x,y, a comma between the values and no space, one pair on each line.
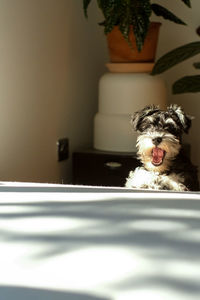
103,168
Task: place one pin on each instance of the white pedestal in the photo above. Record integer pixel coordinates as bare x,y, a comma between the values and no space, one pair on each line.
120,95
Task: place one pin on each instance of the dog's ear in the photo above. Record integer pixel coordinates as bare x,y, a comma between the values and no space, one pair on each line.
180,117
138,117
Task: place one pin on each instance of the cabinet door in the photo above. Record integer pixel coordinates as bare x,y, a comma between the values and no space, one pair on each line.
101,169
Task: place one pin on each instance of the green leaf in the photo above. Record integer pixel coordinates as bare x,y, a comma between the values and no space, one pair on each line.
197,65
85,6
187,84
187,2
124,25
112,11
140,14
175,57
140,27
166,14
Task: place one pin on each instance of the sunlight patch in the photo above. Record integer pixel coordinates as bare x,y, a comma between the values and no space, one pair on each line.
45,225
156,225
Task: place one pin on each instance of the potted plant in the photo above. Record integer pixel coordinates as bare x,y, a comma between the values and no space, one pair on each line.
186,84
129,22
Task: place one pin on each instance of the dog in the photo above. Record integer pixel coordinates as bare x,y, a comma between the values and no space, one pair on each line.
159,149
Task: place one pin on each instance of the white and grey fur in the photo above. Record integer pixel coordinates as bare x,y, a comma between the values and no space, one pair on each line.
162,129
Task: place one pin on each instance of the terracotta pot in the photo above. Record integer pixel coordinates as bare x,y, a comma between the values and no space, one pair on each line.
120,51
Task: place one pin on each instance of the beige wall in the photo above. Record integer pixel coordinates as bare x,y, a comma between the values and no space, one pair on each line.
50,61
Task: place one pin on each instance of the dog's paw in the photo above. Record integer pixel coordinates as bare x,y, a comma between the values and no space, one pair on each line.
140,179
171,184
178,187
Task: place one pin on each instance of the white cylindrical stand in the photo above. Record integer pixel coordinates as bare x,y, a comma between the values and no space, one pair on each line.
120,95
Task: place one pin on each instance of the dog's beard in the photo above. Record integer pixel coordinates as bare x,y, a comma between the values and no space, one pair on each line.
157,158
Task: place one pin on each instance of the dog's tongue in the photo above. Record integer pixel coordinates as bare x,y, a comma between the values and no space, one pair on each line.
157,156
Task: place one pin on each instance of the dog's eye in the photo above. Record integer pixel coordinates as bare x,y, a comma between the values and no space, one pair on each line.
146,126
171,129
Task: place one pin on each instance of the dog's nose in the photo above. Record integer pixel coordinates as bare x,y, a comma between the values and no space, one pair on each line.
157,140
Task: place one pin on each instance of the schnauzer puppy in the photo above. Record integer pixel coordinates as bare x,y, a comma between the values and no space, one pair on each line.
159,149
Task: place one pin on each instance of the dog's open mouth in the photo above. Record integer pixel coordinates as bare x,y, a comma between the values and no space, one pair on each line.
158,155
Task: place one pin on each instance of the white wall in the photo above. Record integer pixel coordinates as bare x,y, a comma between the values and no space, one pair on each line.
51,58
171,36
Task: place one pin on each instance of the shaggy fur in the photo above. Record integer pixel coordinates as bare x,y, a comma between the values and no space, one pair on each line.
164,166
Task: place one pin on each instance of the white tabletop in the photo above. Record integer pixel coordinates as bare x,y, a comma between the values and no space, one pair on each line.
61,242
